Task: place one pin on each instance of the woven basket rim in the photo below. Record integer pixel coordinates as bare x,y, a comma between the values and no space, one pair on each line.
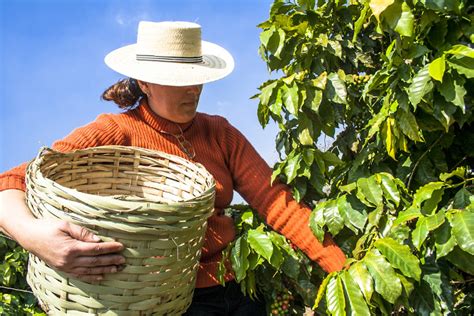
124,202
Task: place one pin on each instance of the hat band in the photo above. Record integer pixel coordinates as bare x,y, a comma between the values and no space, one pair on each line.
170,59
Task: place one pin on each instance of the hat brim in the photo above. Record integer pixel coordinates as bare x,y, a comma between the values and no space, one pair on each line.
217,63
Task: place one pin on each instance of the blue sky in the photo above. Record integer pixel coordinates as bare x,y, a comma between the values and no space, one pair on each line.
52,71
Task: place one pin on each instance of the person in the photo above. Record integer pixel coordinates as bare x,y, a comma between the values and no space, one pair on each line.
165,71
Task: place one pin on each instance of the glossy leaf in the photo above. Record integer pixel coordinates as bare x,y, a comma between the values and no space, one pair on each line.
322,290
369,191
420,233
463,65
389,188
239,260
386,282
445,241
400,257
335,299
461,50
316,223
261,243
336,89
332,217
462,224
378,6
350,215
420,86
462,260
362,277
355,300
292,166
291,99
409,126
437,68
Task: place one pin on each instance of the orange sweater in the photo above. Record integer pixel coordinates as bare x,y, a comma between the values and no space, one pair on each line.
228,156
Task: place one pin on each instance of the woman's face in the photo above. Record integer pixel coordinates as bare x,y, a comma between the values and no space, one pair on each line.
177,104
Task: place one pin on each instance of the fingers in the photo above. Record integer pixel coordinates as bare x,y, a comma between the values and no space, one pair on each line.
99,261
89,278
78,232
96,249
95,271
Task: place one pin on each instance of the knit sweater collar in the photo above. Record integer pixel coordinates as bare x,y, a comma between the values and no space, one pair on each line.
159,123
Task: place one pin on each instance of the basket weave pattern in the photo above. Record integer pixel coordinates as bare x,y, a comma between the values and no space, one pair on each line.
154,203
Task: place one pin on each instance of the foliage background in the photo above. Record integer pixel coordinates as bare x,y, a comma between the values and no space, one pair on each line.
391,83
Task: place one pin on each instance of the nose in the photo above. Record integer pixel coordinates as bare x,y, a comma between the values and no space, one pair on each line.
195,89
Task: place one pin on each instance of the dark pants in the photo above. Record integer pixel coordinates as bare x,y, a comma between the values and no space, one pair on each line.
225,300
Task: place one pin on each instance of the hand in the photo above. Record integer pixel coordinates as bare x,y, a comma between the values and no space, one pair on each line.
73,249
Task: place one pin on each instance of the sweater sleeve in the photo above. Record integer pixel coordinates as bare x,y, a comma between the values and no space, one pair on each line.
252,179
103,131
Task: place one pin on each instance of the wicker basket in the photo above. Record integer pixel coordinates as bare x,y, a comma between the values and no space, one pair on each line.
154,203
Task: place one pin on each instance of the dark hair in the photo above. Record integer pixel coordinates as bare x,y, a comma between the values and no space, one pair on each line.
125,93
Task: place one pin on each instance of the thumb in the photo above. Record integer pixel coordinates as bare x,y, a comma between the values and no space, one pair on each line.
80,233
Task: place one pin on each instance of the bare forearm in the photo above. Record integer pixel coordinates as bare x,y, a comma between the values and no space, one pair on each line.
14,213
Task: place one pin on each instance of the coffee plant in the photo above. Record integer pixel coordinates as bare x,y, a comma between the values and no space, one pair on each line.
389,85
15,294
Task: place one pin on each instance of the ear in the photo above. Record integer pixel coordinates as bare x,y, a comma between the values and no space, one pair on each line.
143,86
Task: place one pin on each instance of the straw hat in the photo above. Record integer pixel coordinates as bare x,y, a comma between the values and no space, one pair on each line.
171,53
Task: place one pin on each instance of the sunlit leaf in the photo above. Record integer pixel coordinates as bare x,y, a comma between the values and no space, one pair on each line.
445,241
378,6
420,86
369,191
437,68
356,303
386,282
462,224
400,257
261,243
335,299
420,233
361,276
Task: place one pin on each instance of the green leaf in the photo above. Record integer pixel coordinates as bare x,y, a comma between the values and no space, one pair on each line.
400,257
459,172
437,68
292,166
316,223
291,98
356,303
360,21
420,86
378,6
322,290
462,224
361,276
239,260
407,215
463,65
452,91
321,81
386,282
462,199
420,233
409,126
462,260
261,243
436,220
400,18
335,300
461,50
332,217
336,89
351,215
369,191
389,187
444,241
425,192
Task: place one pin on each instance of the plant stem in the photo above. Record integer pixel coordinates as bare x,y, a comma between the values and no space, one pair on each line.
420,159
